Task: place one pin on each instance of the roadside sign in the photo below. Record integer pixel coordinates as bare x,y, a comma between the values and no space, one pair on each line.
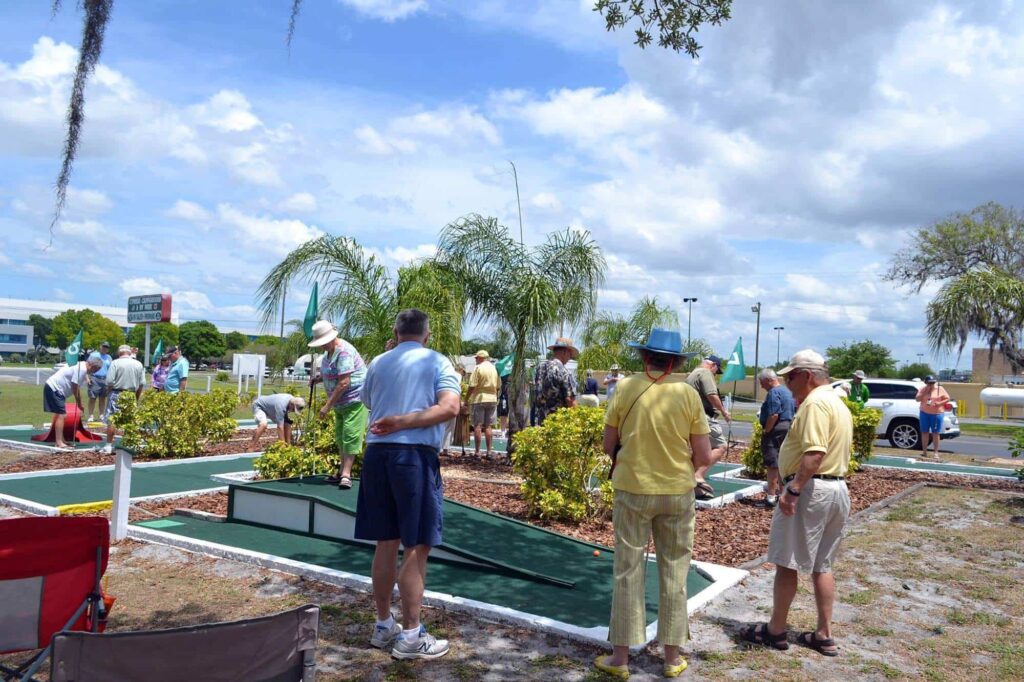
152,308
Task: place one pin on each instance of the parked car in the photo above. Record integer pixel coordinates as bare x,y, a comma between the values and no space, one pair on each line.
900,423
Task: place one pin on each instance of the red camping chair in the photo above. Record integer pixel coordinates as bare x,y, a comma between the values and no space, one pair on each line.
50,571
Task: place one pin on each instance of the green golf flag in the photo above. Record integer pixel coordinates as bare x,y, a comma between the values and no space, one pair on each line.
158,352
75,349
311,312
504,366
734,369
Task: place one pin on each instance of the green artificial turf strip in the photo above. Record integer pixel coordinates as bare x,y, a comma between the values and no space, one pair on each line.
588,604
96,486
25,436
913,465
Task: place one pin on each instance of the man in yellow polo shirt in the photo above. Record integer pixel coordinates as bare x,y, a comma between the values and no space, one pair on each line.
658,420
815,504
484,385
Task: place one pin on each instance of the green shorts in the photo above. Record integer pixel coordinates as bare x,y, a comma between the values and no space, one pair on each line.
350,428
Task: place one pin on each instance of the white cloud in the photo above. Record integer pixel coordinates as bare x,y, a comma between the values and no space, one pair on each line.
546,201
84,228
372,142
87,202
252,163
388,10
195,300
188,211
227,111
36,270
268,234
447,123
301,202
140,286
62,295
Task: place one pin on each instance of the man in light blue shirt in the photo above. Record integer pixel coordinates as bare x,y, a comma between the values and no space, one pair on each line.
98,381
177,375
411,391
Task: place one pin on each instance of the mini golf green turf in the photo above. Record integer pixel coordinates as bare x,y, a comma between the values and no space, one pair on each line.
96,486
25,436
586,605
918,465
727,486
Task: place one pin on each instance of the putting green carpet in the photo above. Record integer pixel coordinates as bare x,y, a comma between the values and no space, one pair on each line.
586,605
95,486
917,465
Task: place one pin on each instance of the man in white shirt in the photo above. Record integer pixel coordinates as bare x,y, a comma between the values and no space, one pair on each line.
58,386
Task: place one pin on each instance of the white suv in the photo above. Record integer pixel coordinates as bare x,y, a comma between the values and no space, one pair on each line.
900,412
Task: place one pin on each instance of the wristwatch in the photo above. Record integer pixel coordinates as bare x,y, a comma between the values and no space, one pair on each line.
794,493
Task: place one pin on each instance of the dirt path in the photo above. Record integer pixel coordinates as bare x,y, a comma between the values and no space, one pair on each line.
928,588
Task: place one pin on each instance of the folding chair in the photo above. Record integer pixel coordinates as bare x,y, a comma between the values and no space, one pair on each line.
274,648
50,571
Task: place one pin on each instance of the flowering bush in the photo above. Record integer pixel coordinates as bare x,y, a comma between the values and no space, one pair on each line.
174,424
561,462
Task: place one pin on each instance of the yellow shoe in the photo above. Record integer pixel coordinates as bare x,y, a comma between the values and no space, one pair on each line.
674,670
620,671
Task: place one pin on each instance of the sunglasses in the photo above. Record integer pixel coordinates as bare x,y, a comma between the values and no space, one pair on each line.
793,373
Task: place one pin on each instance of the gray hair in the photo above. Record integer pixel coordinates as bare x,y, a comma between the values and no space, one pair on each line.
767,374
93,362
820,374
590,372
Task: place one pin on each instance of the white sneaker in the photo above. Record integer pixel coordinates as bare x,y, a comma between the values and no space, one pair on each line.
424,646
383,637
91,418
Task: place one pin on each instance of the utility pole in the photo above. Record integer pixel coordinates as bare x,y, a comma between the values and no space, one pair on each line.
756,308
778,342
689,316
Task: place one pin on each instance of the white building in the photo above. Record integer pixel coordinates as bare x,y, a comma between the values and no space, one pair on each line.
16,333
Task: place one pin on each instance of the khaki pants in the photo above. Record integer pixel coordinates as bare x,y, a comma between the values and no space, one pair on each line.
671,519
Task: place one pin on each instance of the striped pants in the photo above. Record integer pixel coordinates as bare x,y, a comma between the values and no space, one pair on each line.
671,519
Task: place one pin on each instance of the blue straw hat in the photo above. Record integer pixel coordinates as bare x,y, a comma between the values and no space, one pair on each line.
665,341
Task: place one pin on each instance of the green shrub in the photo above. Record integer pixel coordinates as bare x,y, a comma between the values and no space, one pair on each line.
282,460
222,376
865,425
317,439
557,460
174,425
1017,449
15,357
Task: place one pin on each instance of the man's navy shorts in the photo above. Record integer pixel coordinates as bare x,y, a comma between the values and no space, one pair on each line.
53,401
400,495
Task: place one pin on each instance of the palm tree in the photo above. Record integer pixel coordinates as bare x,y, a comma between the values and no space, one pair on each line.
357,289
606,337
528,291
988,302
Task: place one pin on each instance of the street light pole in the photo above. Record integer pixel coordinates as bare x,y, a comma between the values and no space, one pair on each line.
689,316
778,342
756,308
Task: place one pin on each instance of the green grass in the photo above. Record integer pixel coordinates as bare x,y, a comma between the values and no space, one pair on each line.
861,598
958,617
1006,430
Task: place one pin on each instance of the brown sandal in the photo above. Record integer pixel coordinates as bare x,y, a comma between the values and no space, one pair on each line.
758,634
825,647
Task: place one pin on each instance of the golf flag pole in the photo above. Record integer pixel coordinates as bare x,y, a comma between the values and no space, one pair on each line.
307,328
75,349
734,371
155,360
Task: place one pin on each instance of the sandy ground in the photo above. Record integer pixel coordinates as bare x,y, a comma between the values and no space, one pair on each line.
929,588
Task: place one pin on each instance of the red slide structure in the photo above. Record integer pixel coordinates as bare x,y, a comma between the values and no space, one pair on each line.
74,429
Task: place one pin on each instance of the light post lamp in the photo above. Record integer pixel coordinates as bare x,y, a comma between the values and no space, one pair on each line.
920,357
756,308
778,342
689,316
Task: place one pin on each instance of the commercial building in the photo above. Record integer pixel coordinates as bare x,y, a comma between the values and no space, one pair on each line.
16,333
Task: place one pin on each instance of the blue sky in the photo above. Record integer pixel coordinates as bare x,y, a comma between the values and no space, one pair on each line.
785,166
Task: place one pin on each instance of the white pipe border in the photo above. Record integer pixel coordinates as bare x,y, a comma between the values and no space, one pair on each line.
729,498
140,465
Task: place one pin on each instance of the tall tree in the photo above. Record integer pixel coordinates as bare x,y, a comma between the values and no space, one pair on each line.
41,328
875,359
607,335
357,290
97,329
529,291
978,257
200,340
168,331
675,21
236,340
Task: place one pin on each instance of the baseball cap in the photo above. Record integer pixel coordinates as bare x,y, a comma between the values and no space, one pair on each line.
804,359
929,379
482,354
718,361
104,345
171,351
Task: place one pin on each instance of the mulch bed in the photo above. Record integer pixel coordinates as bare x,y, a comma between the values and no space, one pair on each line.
238,443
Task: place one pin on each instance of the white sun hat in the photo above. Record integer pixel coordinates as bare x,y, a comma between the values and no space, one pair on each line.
323,333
